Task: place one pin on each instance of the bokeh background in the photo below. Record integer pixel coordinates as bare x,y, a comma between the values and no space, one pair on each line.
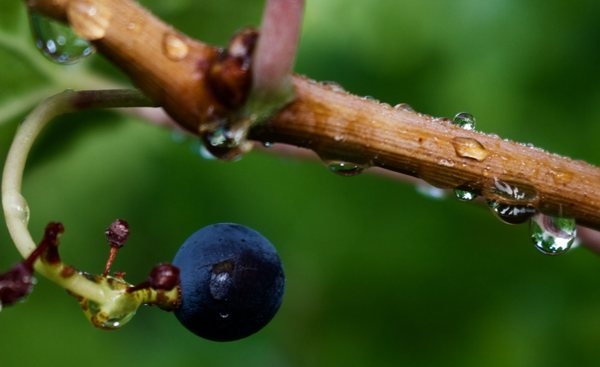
377,274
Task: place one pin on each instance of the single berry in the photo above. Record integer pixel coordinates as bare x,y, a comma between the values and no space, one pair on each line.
232,282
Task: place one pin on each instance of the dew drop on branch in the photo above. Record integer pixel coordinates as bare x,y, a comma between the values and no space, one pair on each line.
469,148
404,107
552,235
343,168
464,195
464,120
174,47
56,41
228,143
512,213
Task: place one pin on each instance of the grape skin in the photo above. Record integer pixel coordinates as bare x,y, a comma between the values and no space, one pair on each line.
232,282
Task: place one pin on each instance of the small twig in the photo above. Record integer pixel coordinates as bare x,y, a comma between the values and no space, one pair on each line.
337,124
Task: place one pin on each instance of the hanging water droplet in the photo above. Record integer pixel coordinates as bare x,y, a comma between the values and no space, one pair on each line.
469,148
101,319
16,206
430,191
174,47
464,120
464,195
89,19
347,169
511,213
57,41
226,143
224,315
510,192
552,235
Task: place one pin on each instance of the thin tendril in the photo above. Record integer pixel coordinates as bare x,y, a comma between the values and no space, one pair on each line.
16,210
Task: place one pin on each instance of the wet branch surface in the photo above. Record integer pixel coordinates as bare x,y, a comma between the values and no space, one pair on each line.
172,68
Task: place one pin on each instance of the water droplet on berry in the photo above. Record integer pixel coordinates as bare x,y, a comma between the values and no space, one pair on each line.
16,206
174,47
57,41
220,285
469,148
430,191
464,120
464,195
552,235
89,19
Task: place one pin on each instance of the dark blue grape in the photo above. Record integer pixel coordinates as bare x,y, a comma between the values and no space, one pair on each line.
232,282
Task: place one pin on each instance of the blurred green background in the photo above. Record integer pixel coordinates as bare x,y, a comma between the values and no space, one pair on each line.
377,275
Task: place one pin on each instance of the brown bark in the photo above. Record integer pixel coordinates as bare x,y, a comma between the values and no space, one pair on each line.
171,69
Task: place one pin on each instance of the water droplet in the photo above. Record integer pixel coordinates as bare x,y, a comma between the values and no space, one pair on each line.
118,307
552,235
174,47
339,137
224,315
57,41
464,195
89,19
511,192
267,144
101,319
511,213
469,148
404,107
333,86
16,206
430,191
464,120
347,169
226,143
220,285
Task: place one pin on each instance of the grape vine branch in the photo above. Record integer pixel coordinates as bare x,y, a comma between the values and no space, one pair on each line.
174,71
